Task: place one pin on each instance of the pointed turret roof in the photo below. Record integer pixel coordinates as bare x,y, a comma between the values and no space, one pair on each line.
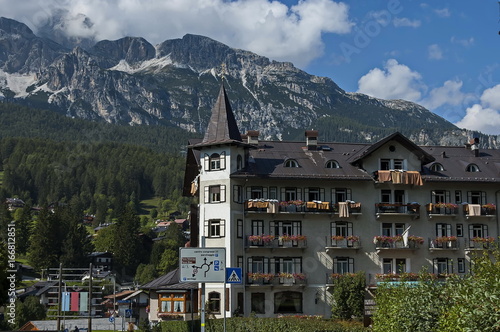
222,127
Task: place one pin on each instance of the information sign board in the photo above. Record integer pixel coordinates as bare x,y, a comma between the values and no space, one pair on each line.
202,264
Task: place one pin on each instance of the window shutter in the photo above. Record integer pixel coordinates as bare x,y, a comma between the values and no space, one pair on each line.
239,228
205,228
349,230
351,265
471,231
222,228
272,228
333,198
206,161
448,229
222,193
266,265
333,228
434,265
226,300
223,160
469,197
237,194
249,193
483,197
299,193
306,194
485,230
283,194
264,193
322,194
207,194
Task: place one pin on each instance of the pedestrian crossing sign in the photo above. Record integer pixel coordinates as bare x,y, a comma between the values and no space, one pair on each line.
233,275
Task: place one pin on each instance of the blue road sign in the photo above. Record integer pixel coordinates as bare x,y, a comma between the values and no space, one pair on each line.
233,275
111,319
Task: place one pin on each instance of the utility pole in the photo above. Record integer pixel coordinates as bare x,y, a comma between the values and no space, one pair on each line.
59,288
90,299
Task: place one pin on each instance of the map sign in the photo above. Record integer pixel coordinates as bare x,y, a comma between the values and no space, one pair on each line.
202,264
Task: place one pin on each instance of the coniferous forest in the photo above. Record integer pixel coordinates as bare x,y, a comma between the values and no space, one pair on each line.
65,168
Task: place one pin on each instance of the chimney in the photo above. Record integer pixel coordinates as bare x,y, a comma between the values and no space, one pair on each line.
443,154
474,146
312,139
252,137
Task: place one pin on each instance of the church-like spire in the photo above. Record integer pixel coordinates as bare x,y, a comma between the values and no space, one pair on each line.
222,127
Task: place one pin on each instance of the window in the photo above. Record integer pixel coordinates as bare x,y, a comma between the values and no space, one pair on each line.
443,266
390,229
460,230
273,193
388,164
343,265
443,230
288,264
461,265
458,197
341,195
312,194
290,194
239,228
256,192
332,164
174,303
215,161
215,194
258,301
437,167
394,265
440,196
341,228
476,197
398,164
291,163
239,162
257,227
215,227
478,230
287,302
472,168
214,302
279,228
237,194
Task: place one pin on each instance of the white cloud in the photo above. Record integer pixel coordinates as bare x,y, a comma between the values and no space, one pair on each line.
485,120
266,27
448,94
491,97
464,42
484,117
435,52
395,81
406,22
444,12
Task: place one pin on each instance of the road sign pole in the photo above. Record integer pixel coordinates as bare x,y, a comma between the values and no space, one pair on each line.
202,295
225,304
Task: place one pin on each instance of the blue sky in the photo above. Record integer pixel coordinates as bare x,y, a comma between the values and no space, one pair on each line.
440,54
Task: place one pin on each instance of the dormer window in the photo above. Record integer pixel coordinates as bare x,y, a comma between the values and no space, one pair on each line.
437,167
332,164
472,168
291,163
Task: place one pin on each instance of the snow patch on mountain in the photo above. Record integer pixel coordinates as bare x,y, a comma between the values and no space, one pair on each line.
17,83
154,65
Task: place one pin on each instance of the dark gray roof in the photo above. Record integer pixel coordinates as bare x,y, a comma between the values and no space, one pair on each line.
268,161
169,281
455,161
222,127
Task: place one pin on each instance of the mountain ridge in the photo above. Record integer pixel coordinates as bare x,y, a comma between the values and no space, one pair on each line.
130,81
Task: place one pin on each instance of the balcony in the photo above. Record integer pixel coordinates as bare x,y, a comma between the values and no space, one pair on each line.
441,210
478,210
480,243
403,277
340,242
397,243
444,243
279,279
272,206
398,177
276,242
397,209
